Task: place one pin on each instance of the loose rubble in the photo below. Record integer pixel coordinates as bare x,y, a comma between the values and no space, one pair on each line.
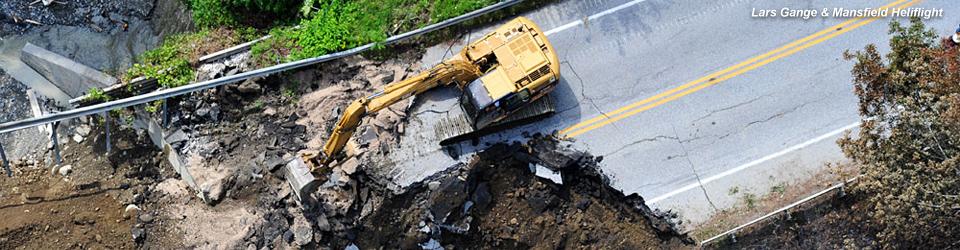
496,200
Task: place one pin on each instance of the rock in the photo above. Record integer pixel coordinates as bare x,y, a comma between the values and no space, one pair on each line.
83,130
368,136
350,166
288,236
201,112
323,224
433,185
269,111
215,112
432,244
146,218
138,234
302,234
584,204
176,136
546,173
131,211
481,196
210,70
99,20
249,87
77,138
65,170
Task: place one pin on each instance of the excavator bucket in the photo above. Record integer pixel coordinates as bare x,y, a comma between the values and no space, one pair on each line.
301,180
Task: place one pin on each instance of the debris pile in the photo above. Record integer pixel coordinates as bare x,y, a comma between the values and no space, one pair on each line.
498,200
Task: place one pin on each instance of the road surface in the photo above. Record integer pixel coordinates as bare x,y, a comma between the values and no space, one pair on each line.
686,100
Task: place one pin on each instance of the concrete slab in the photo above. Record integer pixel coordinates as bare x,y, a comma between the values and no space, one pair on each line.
73,78
12,65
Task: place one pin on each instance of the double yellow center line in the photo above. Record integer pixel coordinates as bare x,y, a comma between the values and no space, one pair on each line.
722,75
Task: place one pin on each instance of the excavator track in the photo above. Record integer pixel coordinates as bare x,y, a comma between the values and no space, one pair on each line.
456,128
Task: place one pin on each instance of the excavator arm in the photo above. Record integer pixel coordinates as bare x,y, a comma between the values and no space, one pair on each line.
454,71
510,67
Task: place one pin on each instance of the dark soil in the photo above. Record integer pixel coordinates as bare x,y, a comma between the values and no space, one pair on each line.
496,201
831,222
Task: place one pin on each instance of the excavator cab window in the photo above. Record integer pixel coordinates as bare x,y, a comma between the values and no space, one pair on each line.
476,102
514,101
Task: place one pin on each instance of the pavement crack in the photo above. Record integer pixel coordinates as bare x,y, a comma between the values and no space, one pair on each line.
712,112
655,138
582,92
778,114
693,168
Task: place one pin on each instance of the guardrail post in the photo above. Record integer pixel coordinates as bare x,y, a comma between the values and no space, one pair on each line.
56,145
106,122
6,164
163,114
733,236
843,189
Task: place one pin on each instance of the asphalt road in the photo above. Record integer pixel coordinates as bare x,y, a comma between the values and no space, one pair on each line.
686,100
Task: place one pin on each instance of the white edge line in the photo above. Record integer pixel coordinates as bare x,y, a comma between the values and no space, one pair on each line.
593,17
752,163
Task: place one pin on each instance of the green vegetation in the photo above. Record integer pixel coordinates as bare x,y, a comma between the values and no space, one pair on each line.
779,189
733,190
908,144
257,105
172,62
337,25
169,63
750,200
214,13
97,95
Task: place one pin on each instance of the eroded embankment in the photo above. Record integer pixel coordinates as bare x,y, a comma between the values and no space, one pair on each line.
498,200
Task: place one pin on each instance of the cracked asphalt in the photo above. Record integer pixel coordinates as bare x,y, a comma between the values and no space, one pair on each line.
666,152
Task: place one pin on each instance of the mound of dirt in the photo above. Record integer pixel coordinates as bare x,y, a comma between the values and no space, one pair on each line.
498,200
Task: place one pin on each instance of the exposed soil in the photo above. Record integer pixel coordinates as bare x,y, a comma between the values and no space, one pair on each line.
831,222
497,201
753,206
84,209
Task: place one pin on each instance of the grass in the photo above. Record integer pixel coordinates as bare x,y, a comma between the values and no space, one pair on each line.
339,24
97,95
779,189
216,13
172,63
750,200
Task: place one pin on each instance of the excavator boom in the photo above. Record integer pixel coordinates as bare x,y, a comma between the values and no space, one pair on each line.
452,71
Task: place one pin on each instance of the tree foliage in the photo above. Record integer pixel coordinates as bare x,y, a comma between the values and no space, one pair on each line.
908,145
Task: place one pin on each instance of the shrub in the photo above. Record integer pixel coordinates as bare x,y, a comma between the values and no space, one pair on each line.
908,144
212,13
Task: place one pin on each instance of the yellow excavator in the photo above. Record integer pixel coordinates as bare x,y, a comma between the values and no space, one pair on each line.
503,77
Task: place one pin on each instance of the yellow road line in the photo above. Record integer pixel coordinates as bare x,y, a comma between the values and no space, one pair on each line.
716,77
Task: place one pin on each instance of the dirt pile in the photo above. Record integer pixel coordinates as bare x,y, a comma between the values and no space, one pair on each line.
497,200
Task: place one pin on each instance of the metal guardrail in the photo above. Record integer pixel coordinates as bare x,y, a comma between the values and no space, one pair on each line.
733,231
186,89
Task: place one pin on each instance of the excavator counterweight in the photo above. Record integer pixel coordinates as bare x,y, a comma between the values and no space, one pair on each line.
504,77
